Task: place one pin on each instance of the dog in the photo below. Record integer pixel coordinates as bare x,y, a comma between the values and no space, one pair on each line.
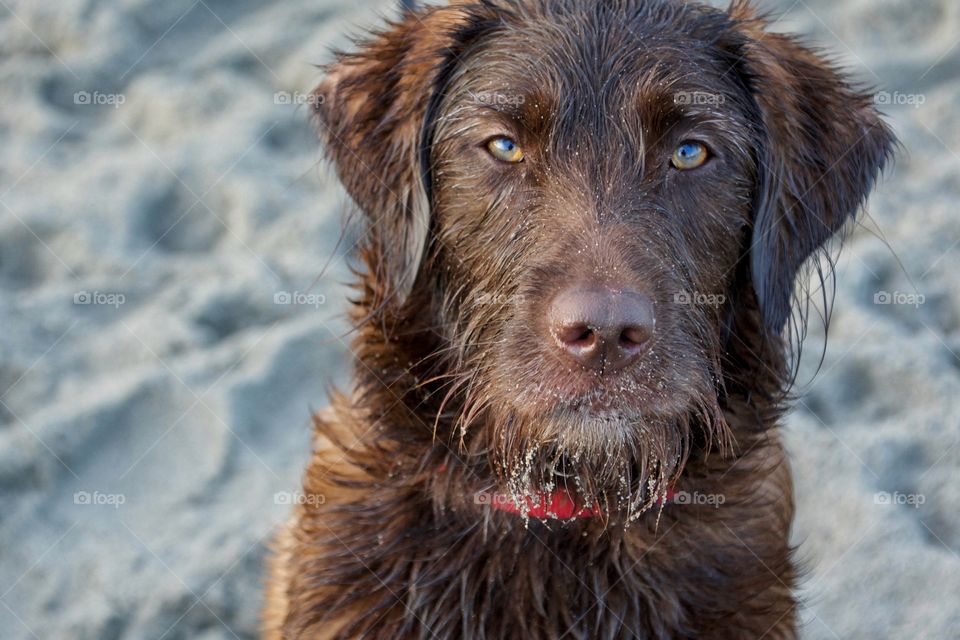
576,322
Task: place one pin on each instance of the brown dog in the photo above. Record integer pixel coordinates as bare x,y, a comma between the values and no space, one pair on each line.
586,220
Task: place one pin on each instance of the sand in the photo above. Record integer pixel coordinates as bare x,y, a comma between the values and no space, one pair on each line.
163,221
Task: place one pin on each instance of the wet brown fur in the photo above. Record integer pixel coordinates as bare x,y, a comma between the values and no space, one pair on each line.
457,391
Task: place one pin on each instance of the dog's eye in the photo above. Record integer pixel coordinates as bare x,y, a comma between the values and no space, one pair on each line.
505,149
689,155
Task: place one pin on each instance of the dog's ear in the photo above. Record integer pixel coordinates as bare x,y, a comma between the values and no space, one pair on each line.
372,111
823,146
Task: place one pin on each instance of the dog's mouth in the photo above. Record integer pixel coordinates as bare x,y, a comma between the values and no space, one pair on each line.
568,444
586,403
602,463
569,491
601,412
597,403
646,390
597,454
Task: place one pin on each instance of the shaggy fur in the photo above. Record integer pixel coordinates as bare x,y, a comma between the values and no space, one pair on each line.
459,391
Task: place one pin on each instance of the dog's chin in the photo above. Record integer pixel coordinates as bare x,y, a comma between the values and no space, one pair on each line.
619,460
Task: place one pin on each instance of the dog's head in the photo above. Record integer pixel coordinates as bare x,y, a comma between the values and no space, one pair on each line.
585,197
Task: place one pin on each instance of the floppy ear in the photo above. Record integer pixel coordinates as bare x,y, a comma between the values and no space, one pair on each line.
372,111
824,145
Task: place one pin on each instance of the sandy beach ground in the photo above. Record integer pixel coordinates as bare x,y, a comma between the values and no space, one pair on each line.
164,334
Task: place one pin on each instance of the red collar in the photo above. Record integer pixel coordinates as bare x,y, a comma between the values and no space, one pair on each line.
559,505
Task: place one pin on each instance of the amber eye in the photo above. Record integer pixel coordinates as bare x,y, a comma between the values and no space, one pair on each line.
689,155
505,149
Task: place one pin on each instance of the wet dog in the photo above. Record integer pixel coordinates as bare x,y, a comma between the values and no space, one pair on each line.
584,225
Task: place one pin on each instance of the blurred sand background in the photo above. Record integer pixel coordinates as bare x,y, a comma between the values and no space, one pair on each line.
164,218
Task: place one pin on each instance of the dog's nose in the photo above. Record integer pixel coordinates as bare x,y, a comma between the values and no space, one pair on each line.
602,329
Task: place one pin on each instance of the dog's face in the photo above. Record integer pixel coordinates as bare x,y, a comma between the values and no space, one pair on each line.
590,191
591,200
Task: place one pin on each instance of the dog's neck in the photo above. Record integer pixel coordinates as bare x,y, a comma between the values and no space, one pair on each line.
393,504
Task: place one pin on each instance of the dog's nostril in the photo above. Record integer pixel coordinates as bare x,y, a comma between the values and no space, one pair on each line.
634,337
578,334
